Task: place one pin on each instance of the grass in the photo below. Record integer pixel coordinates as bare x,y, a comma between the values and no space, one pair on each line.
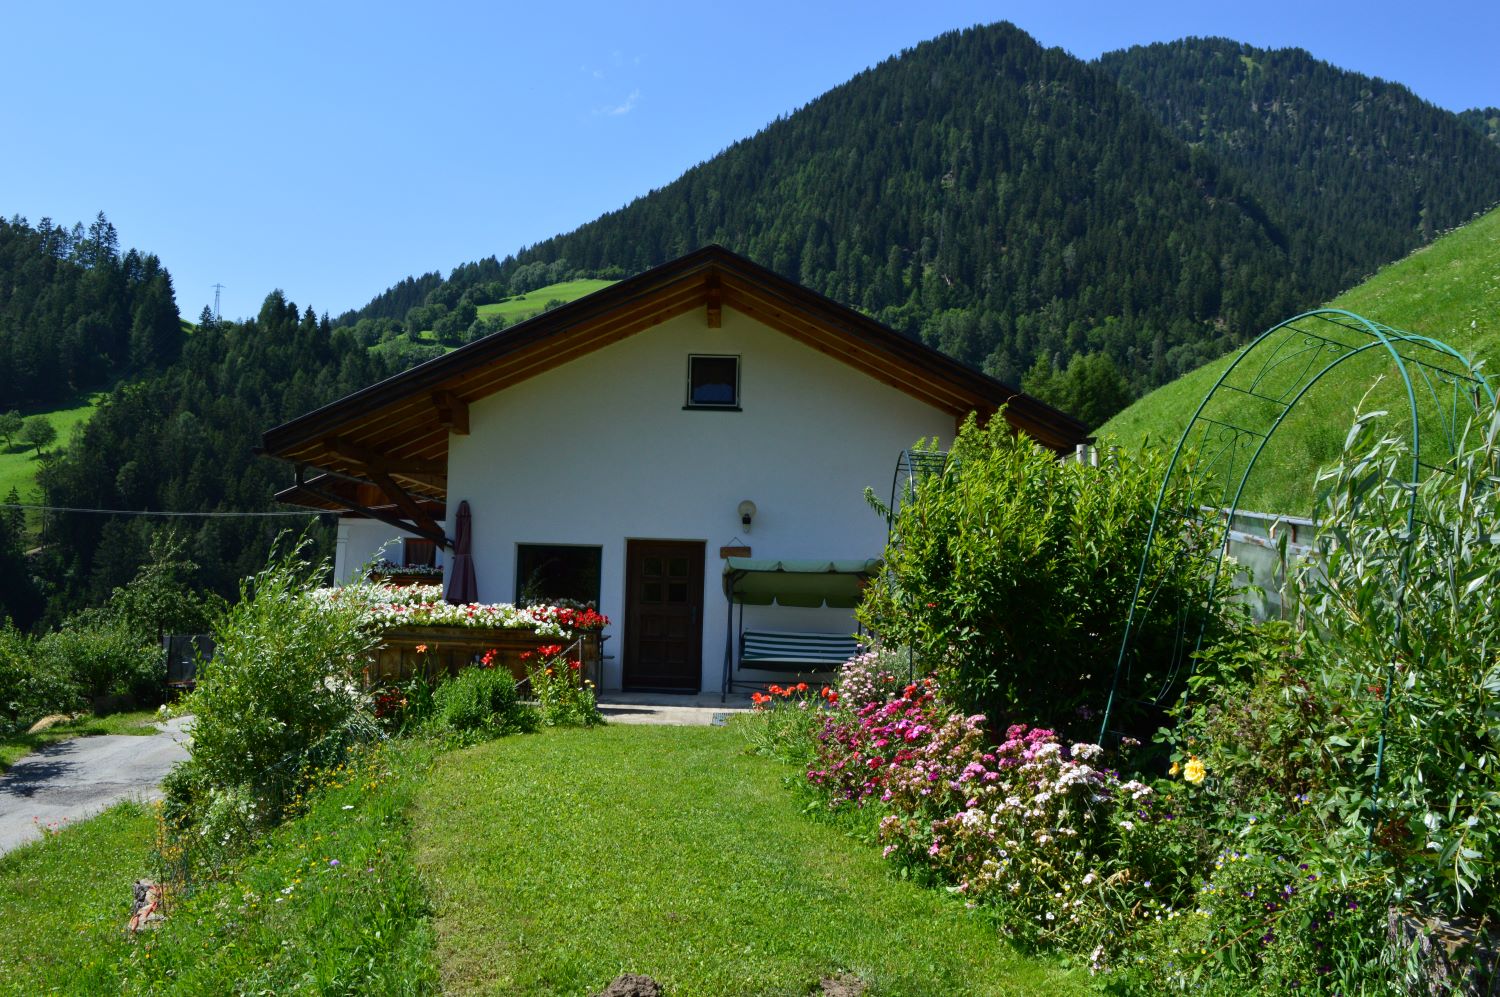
285,917
1449,290
67,896
561,860
532,302
19,464
18,746
521,307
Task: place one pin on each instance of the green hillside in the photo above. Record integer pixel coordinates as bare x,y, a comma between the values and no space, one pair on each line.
1449,290
19,464
524,306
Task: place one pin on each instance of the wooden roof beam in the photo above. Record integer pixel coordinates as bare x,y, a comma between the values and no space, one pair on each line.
421,524
715,302
379,463
453,412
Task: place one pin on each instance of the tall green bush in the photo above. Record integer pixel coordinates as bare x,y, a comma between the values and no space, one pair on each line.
32,685
106,659
280,690
1408,628
1011,572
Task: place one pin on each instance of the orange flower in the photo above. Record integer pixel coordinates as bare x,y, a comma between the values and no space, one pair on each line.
421,648
801,686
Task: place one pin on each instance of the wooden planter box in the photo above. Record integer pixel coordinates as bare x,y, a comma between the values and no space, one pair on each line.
403,579
451,648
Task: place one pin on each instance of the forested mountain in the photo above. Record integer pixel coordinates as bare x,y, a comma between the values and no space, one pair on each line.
184,440
1085,230
75,314
1485,120
1353,171
1026,213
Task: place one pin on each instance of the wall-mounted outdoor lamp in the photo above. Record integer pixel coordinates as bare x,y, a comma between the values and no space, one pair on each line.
747,513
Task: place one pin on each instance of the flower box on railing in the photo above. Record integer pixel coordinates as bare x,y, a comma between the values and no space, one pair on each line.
435,651
404,575
423,634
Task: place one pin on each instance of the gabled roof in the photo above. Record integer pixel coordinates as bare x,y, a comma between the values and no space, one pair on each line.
397,430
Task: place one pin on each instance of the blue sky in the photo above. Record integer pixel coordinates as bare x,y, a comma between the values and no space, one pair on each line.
332,149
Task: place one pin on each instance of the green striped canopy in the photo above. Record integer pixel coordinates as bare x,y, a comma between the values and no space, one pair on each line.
809,584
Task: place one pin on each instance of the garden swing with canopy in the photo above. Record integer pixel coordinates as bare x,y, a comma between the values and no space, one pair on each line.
804,584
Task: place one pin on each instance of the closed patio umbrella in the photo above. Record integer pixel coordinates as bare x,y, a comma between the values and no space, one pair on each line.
462,587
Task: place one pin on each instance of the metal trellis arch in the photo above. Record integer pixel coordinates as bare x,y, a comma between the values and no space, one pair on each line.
1252,399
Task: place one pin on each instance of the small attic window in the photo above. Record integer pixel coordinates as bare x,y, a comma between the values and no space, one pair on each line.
713,382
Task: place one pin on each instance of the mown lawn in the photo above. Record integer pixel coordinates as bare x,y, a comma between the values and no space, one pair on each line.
18,746
558,861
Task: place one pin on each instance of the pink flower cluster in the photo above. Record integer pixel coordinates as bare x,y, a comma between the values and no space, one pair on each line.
1030,823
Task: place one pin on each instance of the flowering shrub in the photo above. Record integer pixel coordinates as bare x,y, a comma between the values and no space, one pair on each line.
865,679
563,696
384,605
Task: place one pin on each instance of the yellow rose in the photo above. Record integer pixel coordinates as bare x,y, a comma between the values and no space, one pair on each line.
1194,771
1174,770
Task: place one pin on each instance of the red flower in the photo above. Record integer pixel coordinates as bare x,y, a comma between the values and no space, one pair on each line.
527,655
575,665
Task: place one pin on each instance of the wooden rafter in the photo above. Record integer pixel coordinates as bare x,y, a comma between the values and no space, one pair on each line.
419,523
453,412
715,302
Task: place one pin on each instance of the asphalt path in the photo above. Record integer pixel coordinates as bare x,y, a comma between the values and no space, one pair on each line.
73,780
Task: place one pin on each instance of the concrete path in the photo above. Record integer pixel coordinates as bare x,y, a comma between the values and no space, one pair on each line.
700,710
75,779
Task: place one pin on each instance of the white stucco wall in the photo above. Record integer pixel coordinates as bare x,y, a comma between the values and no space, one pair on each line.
600,450
360,541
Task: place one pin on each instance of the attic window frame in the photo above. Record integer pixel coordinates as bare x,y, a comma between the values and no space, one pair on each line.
731,406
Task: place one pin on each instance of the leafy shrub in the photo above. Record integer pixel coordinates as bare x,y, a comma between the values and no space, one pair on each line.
32,685
480,703
279,694
106,659
1010,573
1434,688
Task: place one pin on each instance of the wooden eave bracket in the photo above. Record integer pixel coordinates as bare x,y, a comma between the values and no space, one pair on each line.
715,302
380,463
419,523
453,412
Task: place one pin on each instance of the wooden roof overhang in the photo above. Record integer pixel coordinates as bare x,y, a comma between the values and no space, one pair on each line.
394,435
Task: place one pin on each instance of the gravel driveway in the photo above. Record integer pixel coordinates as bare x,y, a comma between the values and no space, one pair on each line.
73,780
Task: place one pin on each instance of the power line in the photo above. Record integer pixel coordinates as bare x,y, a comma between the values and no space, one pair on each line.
217,288
148,512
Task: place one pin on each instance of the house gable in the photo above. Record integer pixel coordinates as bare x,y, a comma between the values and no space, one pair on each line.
396,434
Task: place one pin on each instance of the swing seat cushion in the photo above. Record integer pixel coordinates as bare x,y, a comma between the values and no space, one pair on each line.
759,648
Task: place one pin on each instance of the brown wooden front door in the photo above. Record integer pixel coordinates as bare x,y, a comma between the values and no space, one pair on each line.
664,615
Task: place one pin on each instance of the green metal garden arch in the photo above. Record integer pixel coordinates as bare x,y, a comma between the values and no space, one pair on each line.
1253,398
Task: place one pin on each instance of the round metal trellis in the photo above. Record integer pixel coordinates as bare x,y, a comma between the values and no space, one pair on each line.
912,467
1438,387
